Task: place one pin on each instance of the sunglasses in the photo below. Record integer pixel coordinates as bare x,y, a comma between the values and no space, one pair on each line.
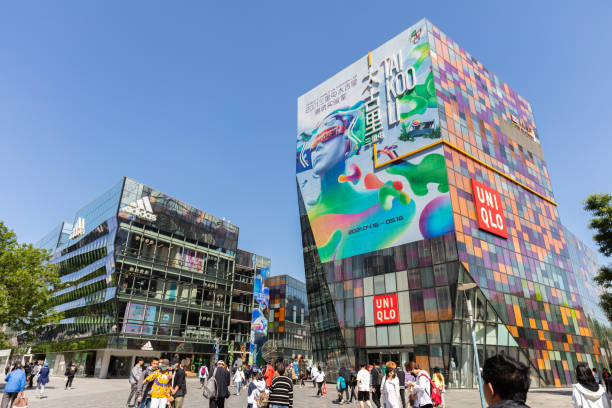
327,135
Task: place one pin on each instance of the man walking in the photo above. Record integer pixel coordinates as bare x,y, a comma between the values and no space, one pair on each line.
135,380
15,384
71,370
161,392
363,386
376,380
179,385
222,377
144,389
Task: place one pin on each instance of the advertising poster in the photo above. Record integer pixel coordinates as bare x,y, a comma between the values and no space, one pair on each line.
259,317
139,318
365,164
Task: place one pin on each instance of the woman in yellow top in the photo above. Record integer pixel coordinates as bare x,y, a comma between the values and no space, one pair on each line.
161,391
438,380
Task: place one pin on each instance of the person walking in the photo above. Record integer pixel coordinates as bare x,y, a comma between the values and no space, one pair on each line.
390,387
352,385
269,375
438,380
222,377
313,375
179,384
376,379
203,375
27,367
135,379
363,386
410,378
401,377
15,385
239,379
144,390
161,392
422,386
505,382
35,370
320,379
42,380
71,370
281,389
257,386
588,393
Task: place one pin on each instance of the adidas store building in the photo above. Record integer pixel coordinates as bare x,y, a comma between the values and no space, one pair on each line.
143,275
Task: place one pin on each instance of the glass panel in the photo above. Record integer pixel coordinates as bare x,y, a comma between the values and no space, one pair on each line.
480,333
433,332
403,299
440,275
382,337
444,303
427,277
390,282
419,333
370,336
394,335
414,279
431,308
402,281
416,306
368,286
379,284
359,312
502,335
491,334
368,306
349,310
406,333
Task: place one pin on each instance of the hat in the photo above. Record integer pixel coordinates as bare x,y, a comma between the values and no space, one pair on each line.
220,362
46,364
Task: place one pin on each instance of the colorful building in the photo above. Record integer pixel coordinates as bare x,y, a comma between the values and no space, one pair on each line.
419,170
288,326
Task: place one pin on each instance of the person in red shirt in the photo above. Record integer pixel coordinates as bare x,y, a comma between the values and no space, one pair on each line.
269,375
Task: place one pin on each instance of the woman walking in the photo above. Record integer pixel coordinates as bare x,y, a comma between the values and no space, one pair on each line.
43,380
71,370
390,388
238,379
320,379
588,393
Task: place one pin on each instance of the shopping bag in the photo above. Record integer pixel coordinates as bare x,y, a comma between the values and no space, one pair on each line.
324,389
21,401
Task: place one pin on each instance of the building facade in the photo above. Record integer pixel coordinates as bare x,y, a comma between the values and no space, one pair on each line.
419,170
144,274
288,326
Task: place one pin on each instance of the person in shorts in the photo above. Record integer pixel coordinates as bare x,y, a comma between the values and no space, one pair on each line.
363,386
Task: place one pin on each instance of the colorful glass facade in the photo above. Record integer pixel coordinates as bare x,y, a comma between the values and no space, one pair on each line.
535,298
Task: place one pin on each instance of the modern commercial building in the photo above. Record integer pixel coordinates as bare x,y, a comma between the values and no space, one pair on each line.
144,274
419,171
288,327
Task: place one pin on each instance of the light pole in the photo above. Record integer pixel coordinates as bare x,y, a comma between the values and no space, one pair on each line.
464,287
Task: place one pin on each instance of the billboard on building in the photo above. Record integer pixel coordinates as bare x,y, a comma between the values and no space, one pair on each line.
365,164
259,317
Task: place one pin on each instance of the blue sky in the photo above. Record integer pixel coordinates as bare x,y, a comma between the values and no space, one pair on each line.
198,99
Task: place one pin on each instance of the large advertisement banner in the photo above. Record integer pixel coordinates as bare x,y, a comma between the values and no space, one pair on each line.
365,164
259,317
139,318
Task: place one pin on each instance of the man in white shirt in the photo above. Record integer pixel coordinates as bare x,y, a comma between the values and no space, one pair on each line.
363,386
313,374
422,386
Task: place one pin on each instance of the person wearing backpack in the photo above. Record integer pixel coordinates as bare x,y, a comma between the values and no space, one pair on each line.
340,387
256,390
221,380
203,375
390,387
438,380
426,392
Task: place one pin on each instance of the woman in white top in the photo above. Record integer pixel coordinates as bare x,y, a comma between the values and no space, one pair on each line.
238,379
320,379
587,393
390,388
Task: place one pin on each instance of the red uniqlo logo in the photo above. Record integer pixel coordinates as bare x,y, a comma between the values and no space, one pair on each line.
489,211
385,309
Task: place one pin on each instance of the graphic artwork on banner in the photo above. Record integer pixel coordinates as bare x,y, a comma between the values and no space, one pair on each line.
139,318
259,317
386,309
489,210
364,186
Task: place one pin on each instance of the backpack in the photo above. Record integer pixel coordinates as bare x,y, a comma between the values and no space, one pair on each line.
434,394
210,389
342,384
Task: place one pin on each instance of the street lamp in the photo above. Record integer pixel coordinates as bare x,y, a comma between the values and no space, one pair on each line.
465,287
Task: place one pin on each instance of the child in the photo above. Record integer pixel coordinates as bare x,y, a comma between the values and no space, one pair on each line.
340,386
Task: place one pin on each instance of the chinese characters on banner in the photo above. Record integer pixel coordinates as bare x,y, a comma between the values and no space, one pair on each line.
385,309
489,210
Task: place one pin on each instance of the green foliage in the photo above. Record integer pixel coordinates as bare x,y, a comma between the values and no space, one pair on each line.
26,285
600,206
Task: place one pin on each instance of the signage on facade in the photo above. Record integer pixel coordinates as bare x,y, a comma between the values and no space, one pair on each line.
386,309
489,210
78,229
141,208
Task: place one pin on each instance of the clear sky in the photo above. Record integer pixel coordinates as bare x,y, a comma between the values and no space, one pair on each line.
198,99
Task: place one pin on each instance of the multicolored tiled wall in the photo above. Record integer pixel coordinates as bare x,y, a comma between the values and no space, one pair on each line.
491,136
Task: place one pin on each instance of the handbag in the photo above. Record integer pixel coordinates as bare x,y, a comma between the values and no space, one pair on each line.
21,401
324,389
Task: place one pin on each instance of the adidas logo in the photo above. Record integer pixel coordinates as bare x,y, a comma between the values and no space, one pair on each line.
147,346
141,209
78,229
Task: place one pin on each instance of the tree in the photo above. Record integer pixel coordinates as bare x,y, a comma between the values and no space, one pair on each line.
600,206
27,282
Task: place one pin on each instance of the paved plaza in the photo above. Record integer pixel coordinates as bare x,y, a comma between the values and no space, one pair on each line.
96,393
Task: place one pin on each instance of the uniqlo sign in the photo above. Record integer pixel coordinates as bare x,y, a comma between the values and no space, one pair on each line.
385,309
489,211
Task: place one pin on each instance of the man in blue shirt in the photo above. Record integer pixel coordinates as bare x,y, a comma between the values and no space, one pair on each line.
15,383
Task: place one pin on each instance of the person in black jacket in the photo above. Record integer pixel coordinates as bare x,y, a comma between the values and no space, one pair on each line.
376,376
401,376
222,376
179,384
71,370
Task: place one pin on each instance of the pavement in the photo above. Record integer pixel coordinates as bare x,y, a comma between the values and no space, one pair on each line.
97,393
